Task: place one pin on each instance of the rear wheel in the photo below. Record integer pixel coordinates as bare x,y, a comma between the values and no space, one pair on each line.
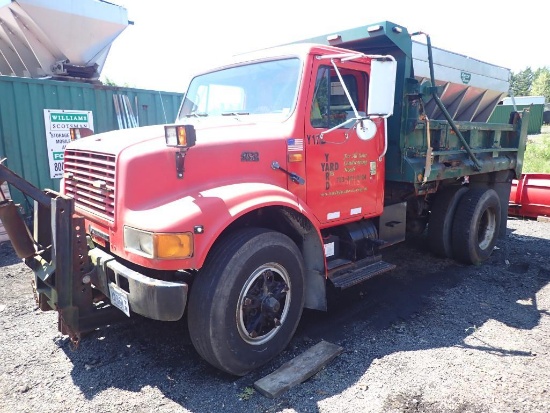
440,225
247,300
476,225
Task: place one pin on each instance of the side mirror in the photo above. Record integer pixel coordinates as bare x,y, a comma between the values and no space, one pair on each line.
382,87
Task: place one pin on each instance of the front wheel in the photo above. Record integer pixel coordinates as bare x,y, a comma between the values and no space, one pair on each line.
246,302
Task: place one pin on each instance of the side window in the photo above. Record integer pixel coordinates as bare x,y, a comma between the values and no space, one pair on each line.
320,106
330,105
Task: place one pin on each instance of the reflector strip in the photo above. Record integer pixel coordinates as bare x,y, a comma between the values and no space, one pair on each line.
355,211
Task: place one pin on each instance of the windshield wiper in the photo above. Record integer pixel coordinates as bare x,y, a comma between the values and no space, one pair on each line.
234,113
196,114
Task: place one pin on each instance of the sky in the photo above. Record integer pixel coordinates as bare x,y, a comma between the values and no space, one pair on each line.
172,40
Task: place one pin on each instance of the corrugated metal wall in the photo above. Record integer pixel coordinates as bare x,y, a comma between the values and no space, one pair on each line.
502,115
22,130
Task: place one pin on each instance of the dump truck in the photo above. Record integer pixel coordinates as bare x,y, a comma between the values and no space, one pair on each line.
287,173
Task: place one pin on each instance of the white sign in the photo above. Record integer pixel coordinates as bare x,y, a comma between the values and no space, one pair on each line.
58,123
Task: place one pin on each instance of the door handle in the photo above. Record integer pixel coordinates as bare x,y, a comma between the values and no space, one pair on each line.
293,177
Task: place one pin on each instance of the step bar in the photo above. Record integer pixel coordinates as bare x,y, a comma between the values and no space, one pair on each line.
358,273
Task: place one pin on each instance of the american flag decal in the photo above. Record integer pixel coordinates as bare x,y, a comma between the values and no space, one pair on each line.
295,145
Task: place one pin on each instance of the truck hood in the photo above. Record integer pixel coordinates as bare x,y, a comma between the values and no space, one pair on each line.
115,141
209,131
144,171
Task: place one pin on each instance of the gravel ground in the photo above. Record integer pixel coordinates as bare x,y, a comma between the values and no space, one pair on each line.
431,336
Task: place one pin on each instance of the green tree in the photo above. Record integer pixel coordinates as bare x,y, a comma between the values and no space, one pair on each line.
541,83
520,84
110,82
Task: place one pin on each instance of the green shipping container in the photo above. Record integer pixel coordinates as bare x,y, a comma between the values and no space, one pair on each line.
501,114
22,124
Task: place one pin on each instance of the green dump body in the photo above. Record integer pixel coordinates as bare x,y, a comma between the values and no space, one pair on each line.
423,146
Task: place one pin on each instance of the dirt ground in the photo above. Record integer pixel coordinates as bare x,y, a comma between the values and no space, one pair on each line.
431,336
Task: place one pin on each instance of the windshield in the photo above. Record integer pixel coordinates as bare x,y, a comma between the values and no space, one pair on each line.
258,88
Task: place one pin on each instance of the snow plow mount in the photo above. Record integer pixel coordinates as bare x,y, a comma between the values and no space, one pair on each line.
57,252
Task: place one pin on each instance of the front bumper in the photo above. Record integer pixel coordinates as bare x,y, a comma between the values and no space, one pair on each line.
149,297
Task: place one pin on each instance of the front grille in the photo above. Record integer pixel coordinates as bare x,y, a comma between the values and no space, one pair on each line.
90,180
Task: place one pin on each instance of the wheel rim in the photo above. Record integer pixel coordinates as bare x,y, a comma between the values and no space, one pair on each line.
263,303
487,228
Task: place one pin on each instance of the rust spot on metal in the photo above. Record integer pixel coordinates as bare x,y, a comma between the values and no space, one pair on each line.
65,329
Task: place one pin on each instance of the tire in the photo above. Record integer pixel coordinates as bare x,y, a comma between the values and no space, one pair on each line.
441,220
476,226
247,300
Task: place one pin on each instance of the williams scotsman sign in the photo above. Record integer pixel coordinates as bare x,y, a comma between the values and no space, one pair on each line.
58,124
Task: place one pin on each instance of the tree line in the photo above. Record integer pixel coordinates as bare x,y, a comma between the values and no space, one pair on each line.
530,82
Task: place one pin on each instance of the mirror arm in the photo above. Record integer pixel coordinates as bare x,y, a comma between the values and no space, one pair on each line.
346,91
322,134
385,139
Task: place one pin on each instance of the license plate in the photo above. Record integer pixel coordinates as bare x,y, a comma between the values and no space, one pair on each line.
119,298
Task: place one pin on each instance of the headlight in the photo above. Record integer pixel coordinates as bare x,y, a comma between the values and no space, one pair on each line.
158,245
139,241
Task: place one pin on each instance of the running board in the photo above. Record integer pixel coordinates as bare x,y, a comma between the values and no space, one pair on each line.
345,279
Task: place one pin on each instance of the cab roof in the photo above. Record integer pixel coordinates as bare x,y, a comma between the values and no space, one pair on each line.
301,51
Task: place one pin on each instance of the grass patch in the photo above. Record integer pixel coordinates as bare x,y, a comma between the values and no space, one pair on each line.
537,154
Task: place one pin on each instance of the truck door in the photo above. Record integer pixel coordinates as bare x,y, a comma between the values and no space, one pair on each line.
345,175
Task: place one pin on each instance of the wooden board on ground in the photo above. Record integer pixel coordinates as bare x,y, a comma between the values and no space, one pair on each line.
542,218
298,369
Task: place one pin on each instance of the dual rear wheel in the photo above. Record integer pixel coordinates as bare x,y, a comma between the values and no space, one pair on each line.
464,224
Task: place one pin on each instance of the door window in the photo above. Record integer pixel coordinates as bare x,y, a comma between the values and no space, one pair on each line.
330,106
